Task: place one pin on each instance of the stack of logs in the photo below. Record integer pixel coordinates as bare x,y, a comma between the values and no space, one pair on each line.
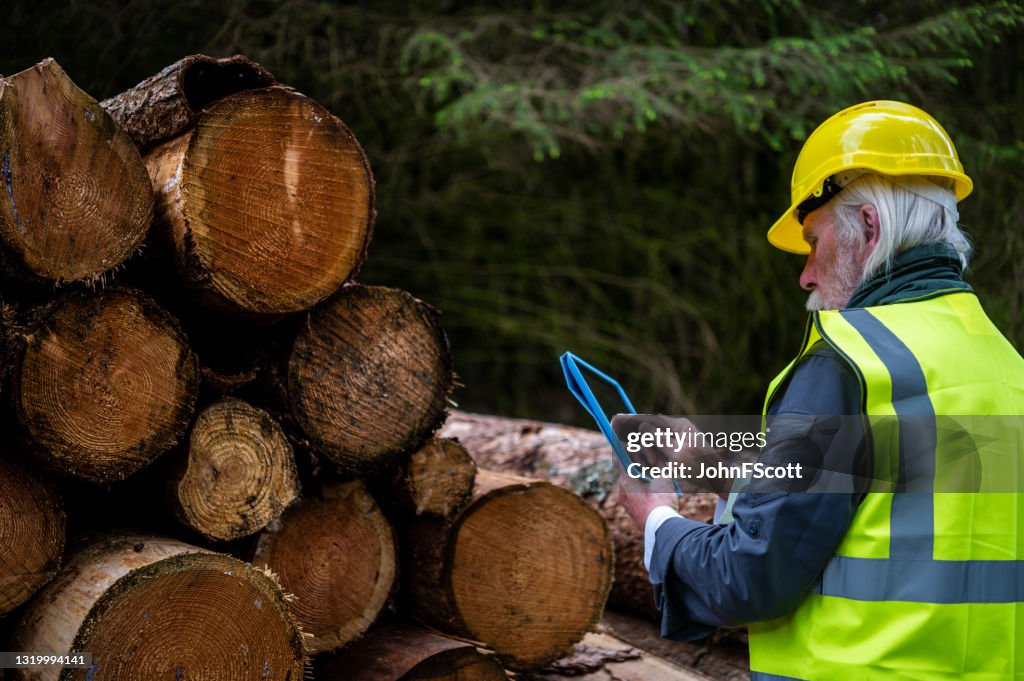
222,455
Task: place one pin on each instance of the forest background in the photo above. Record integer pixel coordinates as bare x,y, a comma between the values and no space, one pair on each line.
597,175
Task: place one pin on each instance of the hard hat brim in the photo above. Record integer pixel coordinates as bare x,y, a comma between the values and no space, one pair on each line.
788,235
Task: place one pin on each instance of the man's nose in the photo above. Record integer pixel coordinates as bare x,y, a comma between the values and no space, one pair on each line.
809,277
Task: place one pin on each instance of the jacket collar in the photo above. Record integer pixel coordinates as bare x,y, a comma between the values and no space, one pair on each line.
915,273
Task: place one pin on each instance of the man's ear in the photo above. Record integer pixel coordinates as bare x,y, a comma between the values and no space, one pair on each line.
869,223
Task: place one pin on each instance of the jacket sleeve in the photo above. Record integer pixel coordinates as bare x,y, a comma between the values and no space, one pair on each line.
758,566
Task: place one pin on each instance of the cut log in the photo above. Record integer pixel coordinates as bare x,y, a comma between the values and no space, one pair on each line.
336,553
436,480
265,206
368,376
32,529
76,200
168,103
239,472
582,461
148,607
525,569
105,383
405,653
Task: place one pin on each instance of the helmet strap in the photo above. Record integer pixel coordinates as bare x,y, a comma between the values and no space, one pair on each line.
926,189
829,188
915,184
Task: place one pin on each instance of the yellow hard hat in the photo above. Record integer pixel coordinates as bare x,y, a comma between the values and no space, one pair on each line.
888,138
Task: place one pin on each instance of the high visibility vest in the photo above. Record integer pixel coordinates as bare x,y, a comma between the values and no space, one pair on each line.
927,583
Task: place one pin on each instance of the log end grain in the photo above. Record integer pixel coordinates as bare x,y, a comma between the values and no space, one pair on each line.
550,558
336,554
525,569
105,383
75,199
32,533
240,475
268,202
148,607
369,375
439,477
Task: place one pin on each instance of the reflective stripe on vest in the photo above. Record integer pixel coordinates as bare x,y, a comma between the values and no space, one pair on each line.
911,528
925,585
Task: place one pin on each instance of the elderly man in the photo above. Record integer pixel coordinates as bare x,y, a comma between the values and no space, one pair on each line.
888,582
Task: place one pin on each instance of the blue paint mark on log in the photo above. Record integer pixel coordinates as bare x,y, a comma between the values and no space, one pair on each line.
91,671
6,171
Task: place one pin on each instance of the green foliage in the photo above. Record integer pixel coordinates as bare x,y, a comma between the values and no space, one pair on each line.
598,175
590,79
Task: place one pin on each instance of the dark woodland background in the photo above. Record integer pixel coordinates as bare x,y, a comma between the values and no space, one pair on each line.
597,175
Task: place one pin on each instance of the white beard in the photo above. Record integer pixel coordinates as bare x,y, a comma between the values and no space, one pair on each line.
848,276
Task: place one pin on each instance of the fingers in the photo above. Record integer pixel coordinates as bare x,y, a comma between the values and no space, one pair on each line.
623,424
638,506
652,439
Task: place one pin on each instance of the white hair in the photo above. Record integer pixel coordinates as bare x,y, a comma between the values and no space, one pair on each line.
912,211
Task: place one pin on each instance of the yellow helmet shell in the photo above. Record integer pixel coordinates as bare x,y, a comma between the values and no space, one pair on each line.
886,137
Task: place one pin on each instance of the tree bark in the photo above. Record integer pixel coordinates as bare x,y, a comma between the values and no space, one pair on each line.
75,200
525,569
336,553
105,382
168,103
148,607
723,655
32,530
266,206
399,652
579,460
239,472
368,376
605,657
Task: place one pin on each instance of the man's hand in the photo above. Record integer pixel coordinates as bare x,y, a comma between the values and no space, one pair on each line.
638,497
690,458
624,424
